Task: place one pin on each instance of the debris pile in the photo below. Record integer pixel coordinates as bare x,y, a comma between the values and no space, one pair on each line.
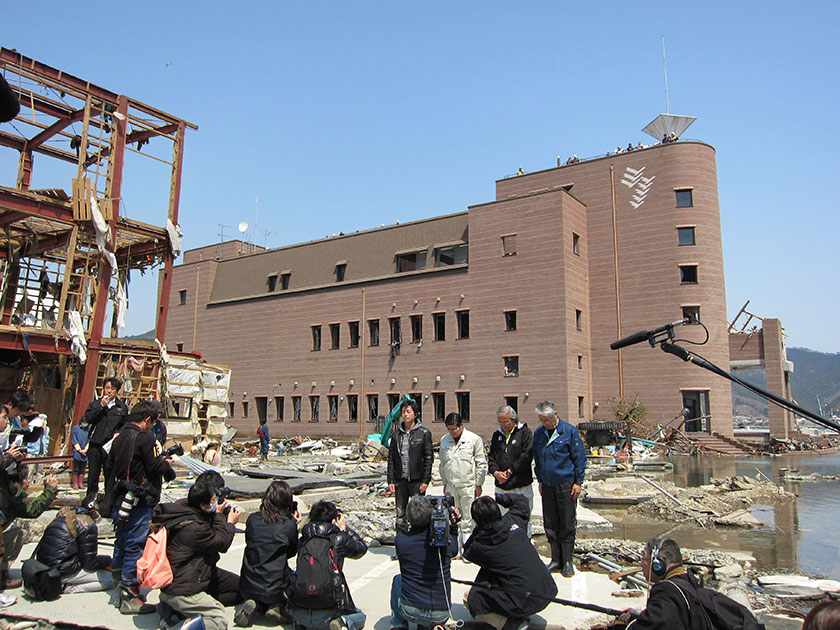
723,502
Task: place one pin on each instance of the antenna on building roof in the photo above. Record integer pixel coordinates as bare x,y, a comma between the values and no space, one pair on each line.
665,71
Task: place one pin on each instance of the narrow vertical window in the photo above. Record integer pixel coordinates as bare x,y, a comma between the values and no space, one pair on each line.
581,410
182,297
285,278
510,320
373,407
279,407
296,409
335,336
272,283
416,328
316,337
439,400
463,320
578,319
509,245
439,321
576,244
340,271
511,365
315,408
332,402
373,331
353,333
463,400
352,407
244,408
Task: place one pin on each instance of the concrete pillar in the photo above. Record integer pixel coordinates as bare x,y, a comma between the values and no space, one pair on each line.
775,360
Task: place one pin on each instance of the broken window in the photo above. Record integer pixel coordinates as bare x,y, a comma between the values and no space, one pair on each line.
692,313
439,401
335,336
439,320
416,328
340,270
393,401
685,235
181,407
510,320
373,331
272,282
284,280
451,255
396,335
262,407
182,297
578,319
580,361
463,400
576,244
180,347
316,337
232,410
353,333
462,318
244,408
373,407
581,409
315,408
688,274
411,262
296,409
509,245
685,198
512,402
332,401
279,407
511,365
353,407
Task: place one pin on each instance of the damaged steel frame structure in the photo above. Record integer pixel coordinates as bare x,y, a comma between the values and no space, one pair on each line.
66,251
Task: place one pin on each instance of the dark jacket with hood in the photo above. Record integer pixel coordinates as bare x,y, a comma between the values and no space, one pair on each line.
346,544
193,546
512,454
420,454
265,575
70,543
136,452
510,565
105,421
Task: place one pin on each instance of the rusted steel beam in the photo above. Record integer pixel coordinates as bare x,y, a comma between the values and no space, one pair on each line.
24,204
37,341
55,128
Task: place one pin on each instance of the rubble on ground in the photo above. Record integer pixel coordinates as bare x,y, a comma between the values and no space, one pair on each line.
720,503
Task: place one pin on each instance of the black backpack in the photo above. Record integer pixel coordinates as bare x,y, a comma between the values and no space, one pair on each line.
40,582
719,611
318,581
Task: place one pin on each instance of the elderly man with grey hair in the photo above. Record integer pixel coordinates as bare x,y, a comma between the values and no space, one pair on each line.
510,457
560,462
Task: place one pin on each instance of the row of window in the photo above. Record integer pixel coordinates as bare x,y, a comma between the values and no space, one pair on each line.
346,407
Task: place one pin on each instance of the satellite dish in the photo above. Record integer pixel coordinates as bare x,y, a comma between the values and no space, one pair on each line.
243,227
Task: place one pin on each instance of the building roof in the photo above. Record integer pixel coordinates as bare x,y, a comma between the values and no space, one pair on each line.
368,255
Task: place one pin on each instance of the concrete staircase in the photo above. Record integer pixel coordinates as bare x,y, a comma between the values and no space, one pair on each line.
721,444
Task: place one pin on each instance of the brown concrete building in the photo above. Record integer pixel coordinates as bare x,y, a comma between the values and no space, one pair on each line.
515,300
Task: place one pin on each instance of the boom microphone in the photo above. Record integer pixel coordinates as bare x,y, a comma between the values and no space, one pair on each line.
644,335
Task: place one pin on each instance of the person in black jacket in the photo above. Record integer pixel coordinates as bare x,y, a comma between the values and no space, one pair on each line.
326,520
270,540
510,457
137,470
105,416
518,584
69,544
422,591
410,458
198,531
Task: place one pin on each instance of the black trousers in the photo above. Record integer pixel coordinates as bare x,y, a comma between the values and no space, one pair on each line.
224,587
97,458
559,513
404,490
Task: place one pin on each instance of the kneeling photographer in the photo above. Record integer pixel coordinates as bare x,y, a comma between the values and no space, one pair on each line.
513,583
422,593
137,470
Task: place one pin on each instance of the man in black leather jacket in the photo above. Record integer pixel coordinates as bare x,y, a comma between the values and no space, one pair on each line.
326,520
70,544
410,458
105,415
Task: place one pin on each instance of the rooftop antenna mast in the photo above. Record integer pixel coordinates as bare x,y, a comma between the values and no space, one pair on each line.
256,218
665,70
221,242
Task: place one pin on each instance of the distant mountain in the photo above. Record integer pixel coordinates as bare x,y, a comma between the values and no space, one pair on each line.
149,335
815,374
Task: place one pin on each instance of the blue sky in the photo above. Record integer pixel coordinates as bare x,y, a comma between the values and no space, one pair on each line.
346,115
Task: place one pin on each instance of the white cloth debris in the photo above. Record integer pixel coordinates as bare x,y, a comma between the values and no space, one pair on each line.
121,305
175,235
102,233
78,345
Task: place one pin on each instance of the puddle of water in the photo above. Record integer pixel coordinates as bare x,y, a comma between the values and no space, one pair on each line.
799,535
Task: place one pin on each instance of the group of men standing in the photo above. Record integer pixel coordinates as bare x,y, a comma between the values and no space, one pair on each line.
554,452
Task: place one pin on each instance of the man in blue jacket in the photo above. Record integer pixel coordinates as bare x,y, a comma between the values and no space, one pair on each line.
559,462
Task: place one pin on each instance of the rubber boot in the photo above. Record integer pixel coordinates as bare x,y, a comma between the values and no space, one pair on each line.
568,550
556,557
133,603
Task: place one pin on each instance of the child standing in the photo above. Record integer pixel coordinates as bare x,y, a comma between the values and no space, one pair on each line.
262,433
79,436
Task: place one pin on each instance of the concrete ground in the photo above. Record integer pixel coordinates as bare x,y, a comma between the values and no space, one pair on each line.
369,579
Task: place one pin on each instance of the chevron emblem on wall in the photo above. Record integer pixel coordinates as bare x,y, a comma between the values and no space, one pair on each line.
640,185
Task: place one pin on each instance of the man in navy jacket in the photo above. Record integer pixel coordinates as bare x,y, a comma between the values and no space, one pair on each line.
559,462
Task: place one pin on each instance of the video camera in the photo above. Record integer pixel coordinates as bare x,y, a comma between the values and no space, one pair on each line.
443,517
174,450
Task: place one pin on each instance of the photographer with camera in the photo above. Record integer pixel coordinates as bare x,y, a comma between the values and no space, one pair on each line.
137,471
422,592
105,416
514,582
199,529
